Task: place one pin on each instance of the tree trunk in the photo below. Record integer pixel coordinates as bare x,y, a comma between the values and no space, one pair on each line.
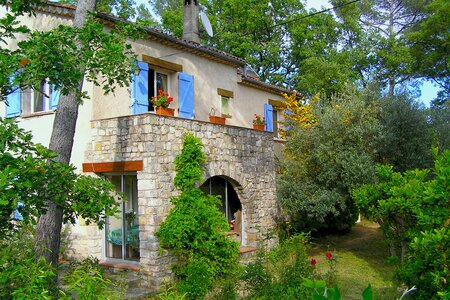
48,231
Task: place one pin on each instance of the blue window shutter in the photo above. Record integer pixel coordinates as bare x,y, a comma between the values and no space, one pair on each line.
55,97
139,90
268,116
13,103
186,95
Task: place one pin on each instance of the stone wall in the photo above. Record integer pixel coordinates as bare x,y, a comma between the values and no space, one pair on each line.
243,156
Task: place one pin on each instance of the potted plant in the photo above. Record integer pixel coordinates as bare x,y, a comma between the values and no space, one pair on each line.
258,123
162,102
216,119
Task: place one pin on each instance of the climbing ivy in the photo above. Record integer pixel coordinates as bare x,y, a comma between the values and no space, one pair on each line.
195,229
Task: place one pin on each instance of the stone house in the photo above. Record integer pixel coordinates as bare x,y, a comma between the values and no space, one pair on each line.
121,138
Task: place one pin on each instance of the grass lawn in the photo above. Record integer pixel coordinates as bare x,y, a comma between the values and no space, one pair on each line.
361,259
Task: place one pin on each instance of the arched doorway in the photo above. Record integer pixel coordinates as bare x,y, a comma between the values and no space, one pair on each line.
231,206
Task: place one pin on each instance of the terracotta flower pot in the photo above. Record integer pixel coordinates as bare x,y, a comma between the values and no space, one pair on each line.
164,111
259,127
217,120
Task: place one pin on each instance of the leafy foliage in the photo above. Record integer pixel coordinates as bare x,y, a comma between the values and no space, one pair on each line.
298,112
407,138
323,164
429,42
279,273
415,210
195,229
23,276
104,58
30,176
86,280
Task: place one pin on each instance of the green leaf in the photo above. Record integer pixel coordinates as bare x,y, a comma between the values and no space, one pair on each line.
368,294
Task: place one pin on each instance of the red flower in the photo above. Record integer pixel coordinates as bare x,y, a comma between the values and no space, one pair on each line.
170,99
328,255
313,262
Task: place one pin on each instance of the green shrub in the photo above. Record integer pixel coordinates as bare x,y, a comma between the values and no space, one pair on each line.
195,229
415,211
323,163
86,280
196,277
279,273
22,275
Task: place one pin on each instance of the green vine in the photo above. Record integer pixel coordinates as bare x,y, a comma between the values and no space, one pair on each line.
195,229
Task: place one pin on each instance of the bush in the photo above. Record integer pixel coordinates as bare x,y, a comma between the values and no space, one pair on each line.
23,276
279,273
415,211
86,280
195,229
325,160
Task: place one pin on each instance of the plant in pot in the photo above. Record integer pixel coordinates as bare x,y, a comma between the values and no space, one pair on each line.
162,102
215,119
258,122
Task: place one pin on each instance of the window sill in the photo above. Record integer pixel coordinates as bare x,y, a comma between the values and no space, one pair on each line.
123,265
38,114
280,140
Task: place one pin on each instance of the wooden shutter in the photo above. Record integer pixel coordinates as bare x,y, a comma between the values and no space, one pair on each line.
139,90
186,95
268,116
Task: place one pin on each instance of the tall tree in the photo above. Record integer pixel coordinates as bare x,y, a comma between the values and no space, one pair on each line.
64,56
327,155
250,29
407,136
385,22
48,231
107,56
430,45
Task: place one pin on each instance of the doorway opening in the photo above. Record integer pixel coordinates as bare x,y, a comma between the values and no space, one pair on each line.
231,206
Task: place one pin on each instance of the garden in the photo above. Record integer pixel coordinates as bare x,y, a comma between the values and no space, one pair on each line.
401,247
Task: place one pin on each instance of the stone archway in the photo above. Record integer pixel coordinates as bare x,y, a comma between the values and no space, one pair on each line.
231,205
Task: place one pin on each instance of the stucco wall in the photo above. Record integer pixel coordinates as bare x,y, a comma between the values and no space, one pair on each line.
208,77
244,156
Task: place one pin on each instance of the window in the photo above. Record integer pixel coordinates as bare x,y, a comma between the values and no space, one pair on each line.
30,100
225,97
122,230
37,101
157,80
275,121
225,106
154,75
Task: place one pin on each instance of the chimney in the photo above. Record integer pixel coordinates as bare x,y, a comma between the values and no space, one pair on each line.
190,20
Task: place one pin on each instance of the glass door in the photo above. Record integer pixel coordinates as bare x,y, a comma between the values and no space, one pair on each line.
122,230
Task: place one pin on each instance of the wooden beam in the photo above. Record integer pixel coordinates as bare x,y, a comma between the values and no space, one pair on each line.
114,166
225,93
159,63
278,104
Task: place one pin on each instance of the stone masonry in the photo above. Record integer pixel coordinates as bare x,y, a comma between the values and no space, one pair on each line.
245,157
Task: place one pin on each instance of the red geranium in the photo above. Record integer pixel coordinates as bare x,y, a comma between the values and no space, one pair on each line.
162,99
313,262
328,255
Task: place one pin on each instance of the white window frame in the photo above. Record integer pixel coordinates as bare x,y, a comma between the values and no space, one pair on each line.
46,94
